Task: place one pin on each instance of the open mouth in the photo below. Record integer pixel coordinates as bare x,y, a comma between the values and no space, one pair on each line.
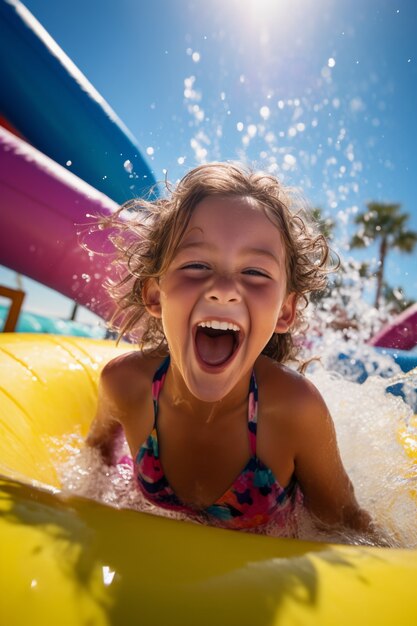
216,342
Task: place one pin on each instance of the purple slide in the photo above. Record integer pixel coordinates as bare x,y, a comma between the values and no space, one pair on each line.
401,334
43,207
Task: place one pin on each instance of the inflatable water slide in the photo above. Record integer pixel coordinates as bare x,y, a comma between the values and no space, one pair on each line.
44,203
55,108
68,560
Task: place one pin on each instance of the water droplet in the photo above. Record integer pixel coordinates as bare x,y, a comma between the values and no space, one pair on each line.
128,166
356,105
252,130
264,112
290,160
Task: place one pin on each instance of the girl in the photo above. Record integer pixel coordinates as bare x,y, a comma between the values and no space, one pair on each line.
216,278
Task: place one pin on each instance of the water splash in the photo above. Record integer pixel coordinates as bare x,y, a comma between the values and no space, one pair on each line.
376,431
281,131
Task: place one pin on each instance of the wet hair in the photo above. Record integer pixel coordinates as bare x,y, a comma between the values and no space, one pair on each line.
146,235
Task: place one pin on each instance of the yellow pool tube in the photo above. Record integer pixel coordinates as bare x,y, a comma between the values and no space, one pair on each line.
75,562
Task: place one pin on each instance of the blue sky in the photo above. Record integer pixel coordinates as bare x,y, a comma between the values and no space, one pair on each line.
321,92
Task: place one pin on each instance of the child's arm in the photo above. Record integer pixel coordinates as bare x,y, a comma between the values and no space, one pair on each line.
328,491
117,380
124,401
105,426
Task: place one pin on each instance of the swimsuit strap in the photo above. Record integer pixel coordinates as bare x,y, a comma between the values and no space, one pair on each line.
158,383
253,413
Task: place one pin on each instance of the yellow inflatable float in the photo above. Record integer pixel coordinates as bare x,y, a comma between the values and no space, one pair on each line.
71,561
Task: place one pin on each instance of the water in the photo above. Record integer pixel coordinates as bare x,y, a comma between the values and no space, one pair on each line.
82,473
368,421
367,418
371,424
282,133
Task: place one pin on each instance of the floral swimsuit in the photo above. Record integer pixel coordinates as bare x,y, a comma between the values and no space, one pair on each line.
255,497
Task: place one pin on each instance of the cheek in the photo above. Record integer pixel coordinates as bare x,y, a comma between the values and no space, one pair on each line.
170,291
183,293
270,295
265,306
174,300
177,300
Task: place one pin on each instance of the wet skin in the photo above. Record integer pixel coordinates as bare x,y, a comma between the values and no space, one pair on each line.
229,267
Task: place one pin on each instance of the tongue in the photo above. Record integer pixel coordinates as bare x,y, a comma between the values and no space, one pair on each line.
214,349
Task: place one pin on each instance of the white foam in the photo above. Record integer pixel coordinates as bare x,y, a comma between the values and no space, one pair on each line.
367,421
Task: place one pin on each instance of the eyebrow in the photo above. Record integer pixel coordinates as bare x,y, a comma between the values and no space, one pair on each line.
244,252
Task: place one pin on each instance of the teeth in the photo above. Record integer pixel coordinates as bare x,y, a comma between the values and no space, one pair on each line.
217,325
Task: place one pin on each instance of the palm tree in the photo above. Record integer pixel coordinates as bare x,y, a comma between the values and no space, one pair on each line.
386,224
325,226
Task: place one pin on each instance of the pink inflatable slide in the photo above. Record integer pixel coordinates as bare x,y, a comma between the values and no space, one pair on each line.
401,334
42,208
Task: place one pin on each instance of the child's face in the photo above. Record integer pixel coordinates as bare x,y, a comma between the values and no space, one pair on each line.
228,271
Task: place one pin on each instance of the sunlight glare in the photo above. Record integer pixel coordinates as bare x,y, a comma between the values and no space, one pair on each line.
278,11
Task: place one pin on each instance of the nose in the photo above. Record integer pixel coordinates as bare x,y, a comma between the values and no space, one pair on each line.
223,289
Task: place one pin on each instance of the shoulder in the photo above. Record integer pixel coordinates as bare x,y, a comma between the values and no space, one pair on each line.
274,378
126,378
289,396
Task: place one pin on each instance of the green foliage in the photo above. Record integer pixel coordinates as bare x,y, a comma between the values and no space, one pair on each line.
383,223
325,224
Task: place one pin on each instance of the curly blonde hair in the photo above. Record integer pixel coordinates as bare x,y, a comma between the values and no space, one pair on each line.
146,235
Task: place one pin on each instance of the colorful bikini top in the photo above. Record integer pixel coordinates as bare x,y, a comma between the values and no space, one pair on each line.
255,497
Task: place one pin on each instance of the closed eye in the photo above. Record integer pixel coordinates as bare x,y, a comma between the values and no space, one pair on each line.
195,266
255,272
